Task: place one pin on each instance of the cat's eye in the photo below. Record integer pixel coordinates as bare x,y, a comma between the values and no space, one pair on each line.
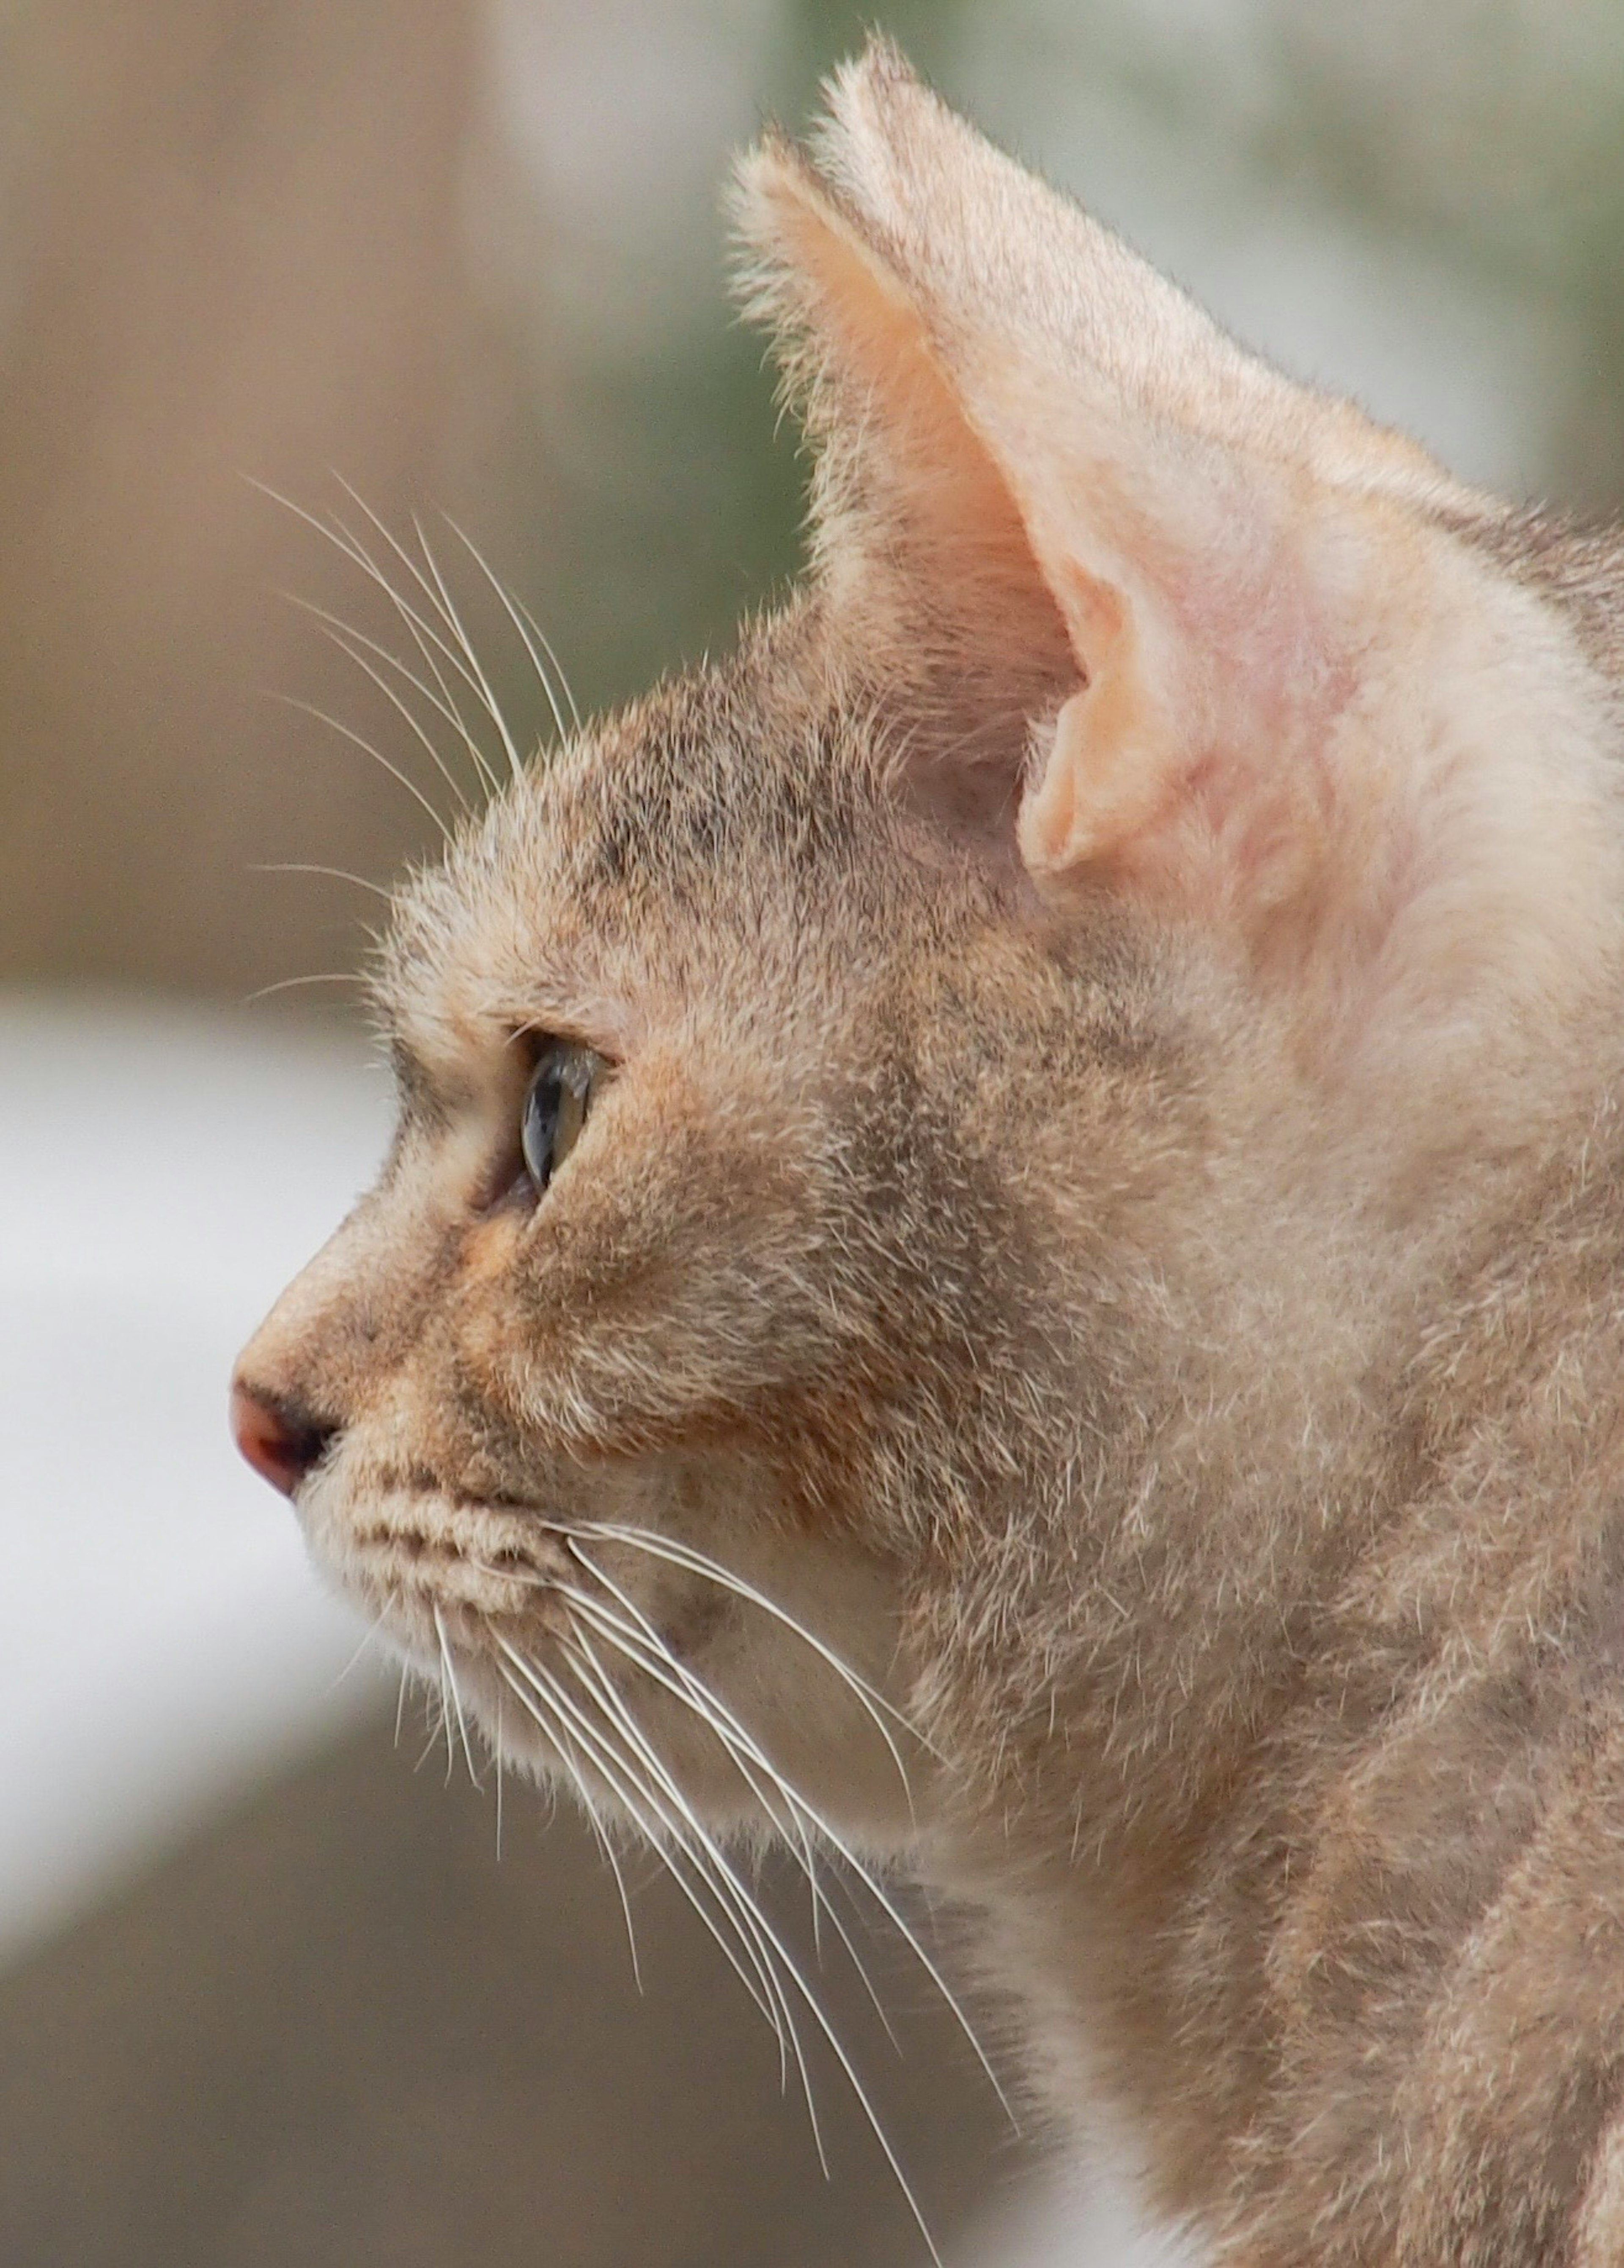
555,1104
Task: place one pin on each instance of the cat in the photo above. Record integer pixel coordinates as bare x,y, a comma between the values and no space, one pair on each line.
1005,1238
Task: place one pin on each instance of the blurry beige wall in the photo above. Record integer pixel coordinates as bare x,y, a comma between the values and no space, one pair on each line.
232,247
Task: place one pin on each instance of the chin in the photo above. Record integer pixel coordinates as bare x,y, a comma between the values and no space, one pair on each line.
658,1681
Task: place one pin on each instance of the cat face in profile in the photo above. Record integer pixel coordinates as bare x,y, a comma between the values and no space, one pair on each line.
931,1273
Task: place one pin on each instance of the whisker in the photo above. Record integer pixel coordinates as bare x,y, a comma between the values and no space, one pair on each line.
533,1702
666,1670
369,1636
449,638
606,1842
449,1677
642,1645
290,983
448,610
445,1730
814,2008
614,1760
347,638
741,1898
714,1710
600,1833
349,547
523,629
292,701
436,1726
551,652
501,1761
718,1719
426,639
333,874
473,677
697,1846
684,1555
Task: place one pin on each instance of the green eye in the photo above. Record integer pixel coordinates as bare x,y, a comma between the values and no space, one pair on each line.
555,1104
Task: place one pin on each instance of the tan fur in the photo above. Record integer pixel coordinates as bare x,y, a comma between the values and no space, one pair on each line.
1107,1209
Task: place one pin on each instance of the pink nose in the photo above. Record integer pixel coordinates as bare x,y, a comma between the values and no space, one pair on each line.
281,1442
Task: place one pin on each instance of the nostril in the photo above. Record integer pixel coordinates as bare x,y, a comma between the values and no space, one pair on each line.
281,1440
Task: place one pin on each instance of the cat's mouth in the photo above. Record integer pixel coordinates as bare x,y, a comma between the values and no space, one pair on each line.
437,1551
532,1636
434,1567
473,1574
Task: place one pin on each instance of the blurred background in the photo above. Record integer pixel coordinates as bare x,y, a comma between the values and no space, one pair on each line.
267,1994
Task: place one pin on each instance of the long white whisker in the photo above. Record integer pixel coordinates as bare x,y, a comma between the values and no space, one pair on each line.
349,547
449,611
355,646
607,1845
501,1763
745,1905
714,1709
551,652
426,638
656,1660
334,873
639,1797
437,1728
369,1638
600,1835
684,1555
292,983
747,1757
292,701
558,1733
518,624
698,1846
533,1702
710,1864
449,1674
650,1655
646,1650
792,1969
447,1728
438,600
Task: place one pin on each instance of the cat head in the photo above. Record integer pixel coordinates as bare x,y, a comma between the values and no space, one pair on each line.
840,1095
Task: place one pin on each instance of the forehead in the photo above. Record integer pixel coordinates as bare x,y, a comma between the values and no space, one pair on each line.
709,822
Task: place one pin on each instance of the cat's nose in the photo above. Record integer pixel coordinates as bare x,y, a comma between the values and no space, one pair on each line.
280,1441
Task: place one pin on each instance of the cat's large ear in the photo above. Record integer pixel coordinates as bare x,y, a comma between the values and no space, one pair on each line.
1126,561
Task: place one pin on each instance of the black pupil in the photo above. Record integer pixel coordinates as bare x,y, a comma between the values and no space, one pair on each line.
554,1109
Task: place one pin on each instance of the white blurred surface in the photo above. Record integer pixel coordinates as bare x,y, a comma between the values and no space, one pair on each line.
162,1638
1086,2220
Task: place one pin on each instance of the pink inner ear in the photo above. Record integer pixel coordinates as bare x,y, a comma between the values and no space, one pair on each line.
1193,764
1000,529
